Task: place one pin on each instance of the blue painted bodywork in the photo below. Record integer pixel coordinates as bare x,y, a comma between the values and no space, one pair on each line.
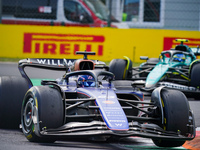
105,98
110,109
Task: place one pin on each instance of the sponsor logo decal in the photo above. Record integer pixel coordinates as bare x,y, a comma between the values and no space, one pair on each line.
45,9
53,62
118,124
62,44
50,62
177,86
123,121
104,96
108,102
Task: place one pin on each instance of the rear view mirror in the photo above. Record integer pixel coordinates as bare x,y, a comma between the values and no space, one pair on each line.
196,50
144,57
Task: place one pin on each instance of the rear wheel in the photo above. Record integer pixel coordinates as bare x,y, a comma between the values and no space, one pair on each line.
176,116
118,68
194,75
12,91
43,105
195,79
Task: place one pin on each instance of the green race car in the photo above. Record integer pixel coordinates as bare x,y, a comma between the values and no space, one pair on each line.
175,69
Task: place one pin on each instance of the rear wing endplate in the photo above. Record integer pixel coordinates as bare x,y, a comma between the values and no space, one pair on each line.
43,63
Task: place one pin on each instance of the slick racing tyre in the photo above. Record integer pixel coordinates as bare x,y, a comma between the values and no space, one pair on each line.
12,91
43,105
176,116
194,75
119,68
195,79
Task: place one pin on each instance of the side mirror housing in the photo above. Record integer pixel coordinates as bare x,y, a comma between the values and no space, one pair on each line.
144,57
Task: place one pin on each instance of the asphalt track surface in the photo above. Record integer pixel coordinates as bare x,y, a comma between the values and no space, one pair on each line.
15,140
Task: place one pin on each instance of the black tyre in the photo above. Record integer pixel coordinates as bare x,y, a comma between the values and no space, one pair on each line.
12,91
50,112
176,116
118,68
194,75
195,79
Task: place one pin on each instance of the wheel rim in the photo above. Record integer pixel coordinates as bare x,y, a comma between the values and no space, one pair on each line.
28,115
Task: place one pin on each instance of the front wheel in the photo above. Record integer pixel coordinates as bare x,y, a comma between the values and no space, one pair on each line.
42,109
176,116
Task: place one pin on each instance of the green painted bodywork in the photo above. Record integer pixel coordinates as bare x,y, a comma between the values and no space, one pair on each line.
158,73
37,82
165,64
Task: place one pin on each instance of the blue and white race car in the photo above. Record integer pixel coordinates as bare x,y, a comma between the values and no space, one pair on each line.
87,101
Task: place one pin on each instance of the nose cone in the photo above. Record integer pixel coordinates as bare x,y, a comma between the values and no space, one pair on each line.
155,75
149,85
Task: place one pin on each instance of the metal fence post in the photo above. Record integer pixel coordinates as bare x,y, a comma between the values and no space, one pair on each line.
0,10
110,13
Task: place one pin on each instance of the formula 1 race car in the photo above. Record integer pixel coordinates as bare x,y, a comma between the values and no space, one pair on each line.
87,101
175,69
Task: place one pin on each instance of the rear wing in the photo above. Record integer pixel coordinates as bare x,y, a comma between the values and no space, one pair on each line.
54,64
51,64
186,48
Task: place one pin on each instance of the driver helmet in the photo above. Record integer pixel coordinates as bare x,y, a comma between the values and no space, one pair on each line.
179,57
86,81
